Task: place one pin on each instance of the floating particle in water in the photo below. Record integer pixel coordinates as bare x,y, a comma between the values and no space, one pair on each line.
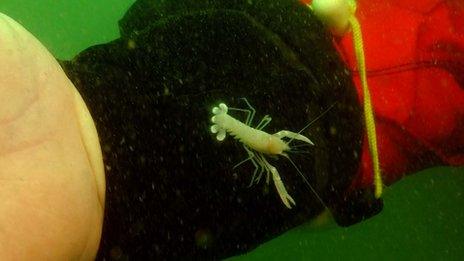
203,238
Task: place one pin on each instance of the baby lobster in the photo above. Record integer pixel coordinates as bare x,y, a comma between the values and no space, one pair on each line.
257,144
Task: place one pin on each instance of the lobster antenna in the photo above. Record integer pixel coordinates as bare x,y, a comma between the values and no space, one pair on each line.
314,120
306,181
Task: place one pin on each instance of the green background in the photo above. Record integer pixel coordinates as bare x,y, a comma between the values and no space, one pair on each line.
423,216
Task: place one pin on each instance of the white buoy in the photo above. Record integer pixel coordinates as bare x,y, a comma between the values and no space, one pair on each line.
335,14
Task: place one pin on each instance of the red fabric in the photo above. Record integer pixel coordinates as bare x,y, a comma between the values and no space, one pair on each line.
415,62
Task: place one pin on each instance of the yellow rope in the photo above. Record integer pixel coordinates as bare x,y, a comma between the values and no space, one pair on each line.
368,111
324,9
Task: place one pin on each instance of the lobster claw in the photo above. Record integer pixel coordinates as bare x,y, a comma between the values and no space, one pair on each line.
292,136
283,194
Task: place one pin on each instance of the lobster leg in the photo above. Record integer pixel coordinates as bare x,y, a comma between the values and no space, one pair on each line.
283,194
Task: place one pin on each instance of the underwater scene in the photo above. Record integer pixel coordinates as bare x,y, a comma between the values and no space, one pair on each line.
232,130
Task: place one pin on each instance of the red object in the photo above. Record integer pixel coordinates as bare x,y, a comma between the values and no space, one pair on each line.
415,64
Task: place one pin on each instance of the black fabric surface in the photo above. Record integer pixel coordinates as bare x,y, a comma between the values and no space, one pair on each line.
172,191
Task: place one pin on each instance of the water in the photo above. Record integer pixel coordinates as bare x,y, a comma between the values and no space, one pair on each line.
423,216
422,219
68,27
